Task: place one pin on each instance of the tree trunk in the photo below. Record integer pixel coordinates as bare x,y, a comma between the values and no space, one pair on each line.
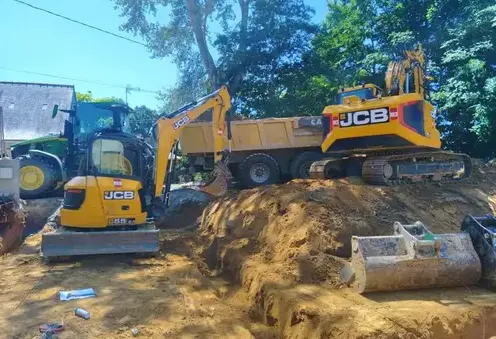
238,73
198,24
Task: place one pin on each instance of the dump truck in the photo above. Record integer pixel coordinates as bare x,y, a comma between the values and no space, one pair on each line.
262,151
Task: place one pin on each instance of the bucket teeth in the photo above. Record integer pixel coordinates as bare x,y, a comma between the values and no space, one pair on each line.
412,258
218,182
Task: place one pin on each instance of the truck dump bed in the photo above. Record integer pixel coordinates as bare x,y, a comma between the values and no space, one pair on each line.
262,134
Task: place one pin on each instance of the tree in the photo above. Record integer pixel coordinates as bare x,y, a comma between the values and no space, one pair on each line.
88,97
142,120
467,96
233,39
359,37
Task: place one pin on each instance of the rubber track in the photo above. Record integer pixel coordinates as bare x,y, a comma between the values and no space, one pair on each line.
372,168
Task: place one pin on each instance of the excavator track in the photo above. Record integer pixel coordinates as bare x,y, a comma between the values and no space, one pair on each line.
397,169
437,166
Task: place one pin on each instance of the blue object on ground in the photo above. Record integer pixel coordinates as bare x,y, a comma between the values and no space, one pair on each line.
77,294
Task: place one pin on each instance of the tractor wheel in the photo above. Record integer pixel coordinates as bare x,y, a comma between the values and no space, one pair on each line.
37,178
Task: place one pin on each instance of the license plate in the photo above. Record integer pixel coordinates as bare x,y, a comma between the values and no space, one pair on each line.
122,221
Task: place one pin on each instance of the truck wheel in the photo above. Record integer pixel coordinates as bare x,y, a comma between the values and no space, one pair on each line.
36,177
300,166
258,170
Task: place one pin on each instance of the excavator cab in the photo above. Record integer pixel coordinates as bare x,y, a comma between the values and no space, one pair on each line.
110,206
364,92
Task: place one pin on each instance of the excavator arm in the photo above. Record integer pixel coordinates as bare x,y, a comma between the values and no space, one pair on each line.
398,74
169,128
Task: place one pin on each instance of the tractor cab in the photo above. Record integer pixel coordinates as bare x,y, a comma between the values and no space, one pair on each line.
50,161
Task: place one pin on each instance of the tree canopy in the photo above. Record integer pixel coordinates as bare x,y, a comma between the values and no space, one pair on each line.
214,42
278,63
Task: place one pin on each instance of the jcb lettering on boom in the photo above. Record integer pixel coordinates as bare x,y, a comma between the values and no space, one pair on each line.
178,124
118,195
366,117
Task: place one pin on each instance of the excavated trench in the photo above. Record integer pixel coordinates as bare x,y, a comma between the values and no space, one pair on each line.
285,245
263,263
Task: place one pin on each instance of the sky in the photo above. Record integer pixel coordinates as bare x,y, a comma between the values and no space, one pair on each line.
34,41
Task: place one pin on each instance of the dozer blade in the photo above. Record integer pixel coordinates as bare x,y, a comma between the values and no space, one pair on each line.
65,242
218,182
482,231
412,258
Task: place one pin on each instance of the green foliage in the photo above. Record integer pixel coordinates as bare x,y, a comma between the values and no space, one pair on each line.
467,94
88,97
142,120
289,67
246,44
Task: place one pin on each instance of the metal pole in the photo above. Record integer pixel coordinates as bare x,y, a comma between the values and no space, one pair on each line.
3,149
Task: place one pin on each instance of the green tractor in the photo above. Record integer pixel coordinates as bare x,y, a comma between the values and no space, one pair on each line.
48,162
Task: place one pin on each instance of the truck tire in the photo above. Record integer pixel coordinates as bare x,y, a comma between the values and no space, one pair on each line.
300,166
37,177
259,169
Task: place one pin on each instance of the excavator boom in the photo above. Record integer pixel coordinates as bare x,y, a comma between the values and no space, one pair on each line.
169,129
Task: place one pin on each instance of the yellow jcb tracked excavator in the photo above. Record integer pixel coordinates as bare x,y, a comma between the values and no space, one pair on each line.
109,207
388,137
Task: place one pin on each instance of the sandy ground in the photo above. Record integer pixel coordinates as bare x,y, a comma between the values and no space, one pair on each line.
286,245
165,297
264,264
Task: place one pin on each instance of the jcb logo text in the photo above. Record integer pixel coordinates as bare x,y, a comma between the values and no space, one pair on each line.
360,118
118,195
181,122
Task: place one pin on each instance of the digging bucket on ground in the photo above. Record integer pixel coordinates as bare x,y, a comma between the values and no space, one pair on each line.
412,258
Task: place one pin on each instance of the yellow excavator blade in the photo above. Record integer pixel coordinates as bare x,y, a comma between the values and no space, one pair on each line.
218,181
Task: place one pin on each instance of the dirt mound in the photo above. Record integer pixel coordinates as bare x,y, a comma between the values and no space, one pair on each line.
275,237
37,213
186,206
12,220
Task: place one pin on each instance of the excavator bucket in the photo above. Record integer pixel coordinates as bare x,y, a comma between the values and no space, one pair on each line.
65,242
218,182
482,231
412,258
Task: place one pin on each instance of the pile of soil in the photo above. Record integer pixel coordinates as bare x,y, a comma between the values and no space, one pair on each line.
277,238
12,222
37,213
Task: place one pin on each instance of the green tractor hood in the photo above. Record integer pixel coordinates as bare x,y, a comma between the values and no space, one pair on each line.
43,139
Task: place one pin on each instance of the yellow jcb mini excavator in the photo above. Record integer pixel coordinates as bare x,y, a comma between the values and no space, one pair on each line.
109,207
387,137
